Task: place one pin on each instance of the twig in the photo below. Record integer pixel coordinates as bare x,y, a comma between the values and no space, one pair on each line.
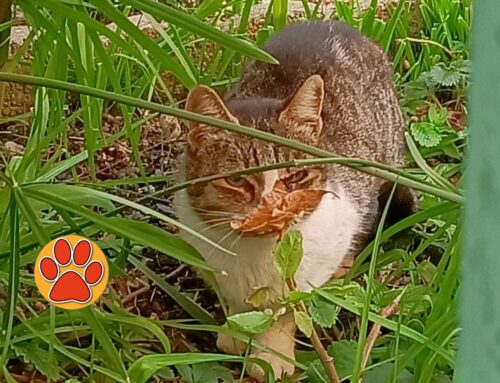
430,42
326,359
387,311
134,294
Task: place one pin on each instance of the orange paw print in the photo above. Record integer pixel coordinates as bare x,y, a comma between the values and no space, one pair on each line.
74,274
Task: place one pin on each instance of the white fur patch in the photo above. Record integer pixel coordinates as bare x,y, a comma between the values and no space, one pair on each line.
327,235
270,179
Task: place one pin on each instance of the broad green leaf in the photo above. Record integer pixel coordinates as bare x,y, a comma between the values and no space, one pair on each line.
208,372
343,353
303,322
252,322
296,296
383,373
323,313
391,325
437,115
425,134
288,254
143,368
31,352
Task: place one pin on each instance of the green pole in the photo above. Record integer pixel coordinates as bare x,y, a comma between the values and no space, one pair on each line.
5,15
479,352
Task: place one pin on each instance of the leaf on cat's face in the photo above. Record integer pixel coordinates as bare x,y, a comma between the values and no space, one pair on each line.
278,210
204,100
303,112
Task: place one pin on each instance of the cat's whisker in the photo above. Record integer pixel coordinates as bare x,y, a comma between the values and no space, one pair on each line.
213,226
221,242
216,220
236,241
207,211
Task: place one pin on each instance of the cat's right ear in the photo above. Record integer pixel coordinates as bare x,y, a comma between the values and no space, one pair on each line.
204,100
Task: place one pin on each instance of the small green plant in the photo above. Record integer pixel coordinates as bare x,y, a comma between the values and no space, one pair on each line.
432,128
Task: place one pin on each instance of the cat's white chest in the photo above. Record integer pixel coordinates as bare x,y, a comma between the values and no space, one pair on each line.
327,237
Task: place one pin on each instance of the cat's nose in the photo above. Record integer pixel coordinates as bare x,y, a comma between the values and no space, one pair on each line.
236,224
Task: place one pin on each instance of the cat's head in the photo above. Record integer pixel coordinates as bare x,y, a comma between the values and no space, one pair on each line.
261,197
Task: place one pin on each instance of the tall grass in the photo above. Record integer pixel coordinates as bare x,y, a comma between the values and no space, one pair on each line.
82,70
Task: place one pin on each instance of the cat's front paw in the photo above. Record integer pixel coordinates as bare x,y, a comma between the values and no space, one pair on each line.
280,367
229,345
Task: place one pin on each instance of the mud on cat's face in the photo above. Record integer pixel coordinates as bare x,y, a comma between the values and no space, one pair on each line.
257,203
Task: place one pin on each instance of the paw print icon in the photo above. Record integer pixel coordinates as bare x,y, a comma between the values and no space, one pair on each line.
71,272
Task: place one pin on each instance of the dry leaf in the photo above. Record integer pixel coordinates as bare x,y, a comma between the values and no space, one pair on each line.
278,211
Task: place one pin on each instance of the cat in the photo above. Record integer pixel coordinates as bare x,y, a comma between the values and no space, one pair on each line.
332,89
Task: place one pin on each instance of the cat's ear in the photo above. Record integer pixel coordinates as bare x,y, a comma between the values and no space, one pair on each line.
304,108
204,100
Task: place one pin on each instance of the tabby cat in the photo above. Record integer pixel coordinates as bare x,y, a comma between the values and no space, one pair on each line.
332,89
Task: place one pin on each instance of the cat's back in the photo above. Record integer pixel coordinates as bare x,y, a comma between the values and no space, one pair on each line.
361,114
334,50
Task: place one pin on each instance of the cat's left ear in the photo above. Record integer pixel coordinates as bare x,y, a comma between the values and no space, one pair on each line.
204,100
304,108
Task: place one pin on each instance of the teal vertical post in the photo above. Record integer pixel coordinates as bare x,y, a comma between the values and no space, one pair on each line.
479,353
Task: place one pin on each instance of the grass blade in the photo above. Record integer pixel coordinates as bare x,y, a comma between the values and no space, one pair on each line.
192,24
185,302
376,169
105,341
13,278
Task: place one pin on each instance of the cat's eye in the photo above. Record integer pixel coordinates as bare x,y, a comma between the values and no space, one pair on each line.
236,181
296,177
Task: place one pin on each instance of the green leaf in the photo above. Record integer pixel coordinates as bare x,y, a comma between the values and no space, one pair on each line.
303,322
183,300
296,296
384,372
192,24
323,313
209,372
425,134
13,282
252,322
144,41
143,368
38,356
288,254
140,232
104,339
444,76
344,355
437,115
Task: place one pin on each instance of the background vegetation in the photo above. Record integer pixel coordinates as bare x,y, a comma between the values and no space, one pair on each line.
91,155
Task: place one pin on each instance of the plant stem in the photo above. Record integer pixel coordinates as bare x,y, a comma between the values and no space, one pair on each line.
326,359
386,312
369,167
